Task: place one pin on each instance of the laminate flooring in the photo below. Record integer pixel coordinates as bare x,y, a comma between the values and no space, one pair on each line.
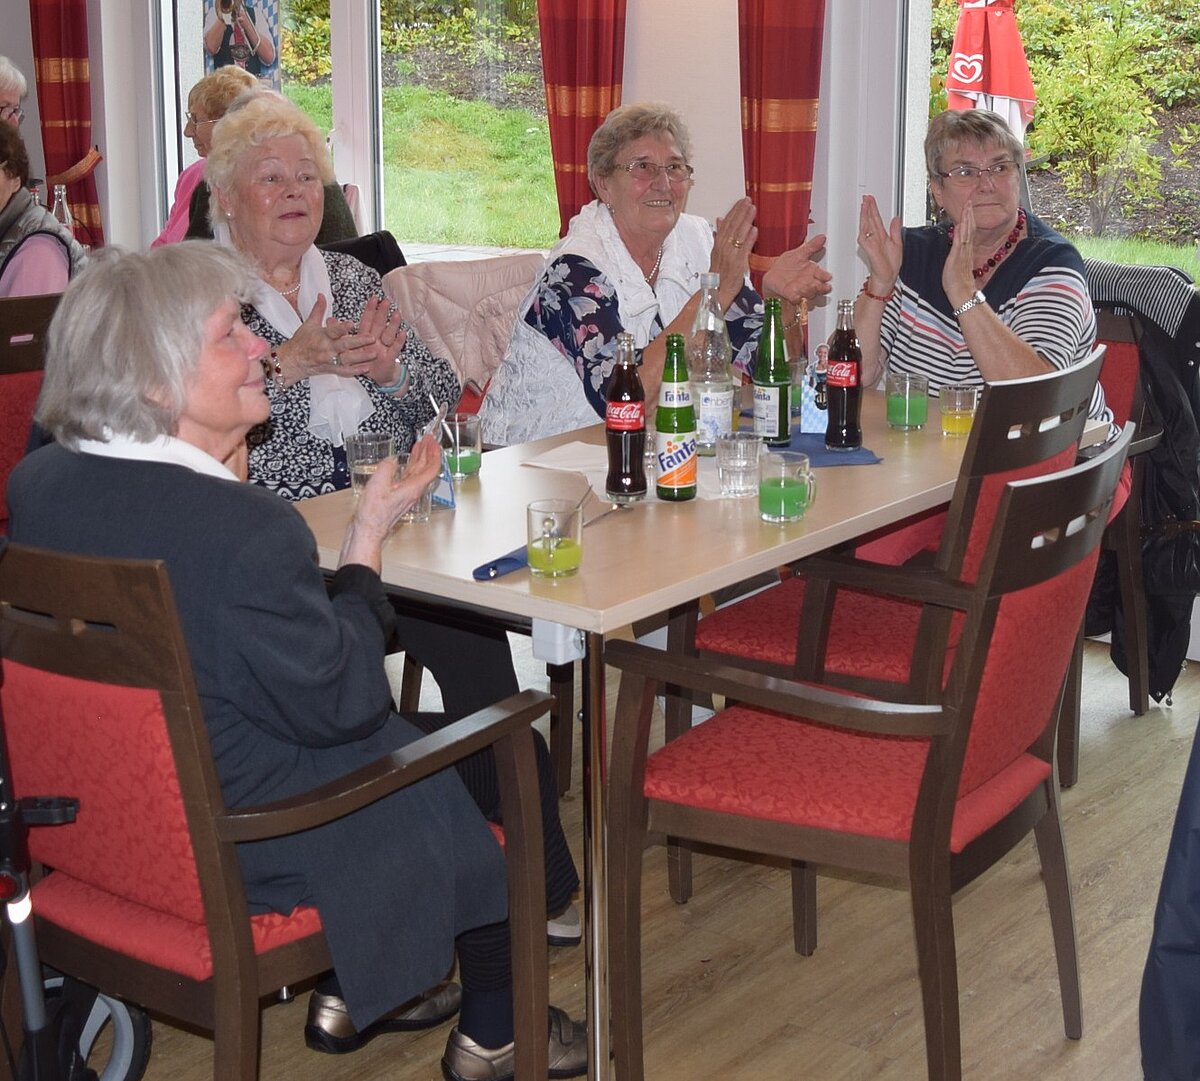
726,997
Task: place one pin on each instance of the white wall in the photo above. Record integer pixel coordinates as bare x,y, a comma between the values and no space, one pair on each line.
685,53
17,45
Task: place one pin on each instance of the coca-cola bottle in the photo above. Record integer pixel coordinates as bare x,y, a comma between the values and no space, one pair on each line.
625,427
844,381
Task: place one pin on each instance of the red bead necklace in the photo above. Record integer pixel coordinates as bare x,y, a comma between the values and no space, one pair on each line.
1001,252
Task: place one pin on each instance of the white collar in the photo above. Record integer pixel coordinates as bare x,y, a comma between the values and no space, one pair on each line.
165,449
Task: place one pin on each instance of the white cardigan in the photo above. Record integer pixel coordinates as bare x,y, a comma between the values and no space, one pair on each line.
536,391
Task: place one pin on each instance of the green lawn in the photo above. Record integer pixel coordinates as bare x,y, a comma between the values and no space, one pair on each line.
458,172
1141,252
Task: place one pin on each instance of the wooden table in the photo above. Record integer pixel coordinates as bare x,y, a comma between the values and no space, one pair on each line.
637,563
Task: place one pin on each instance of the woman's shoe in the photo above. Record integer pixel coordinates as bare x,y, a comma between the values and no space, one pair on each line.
465,1060
330,1029
564,929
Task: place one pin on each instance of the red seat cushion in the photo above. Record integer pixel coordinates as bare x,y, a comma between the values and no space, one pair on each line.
18,396
764,765
870,635
150,935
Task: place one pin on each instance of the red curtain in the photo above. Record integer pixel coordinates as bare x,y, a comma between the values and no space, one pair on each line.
583,57
780,44
60,48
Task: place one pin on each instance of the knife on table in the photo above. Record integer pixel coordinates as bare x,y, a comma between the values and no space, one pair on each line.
519,557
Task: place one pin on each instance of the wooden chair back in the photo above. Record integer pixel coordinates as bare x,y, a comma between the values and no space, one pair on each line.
24,322
145,900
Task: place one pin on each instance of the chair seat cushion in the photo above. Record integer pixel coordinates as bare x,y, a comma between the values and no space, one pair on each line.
149,935
870,635
759,764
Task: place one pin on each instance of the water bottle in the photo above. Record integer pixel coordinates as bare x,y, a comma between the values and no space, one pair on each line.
708,355
61,212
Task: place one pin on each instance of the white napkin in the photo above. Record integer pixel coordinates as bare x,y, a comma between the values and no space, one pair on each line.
592,461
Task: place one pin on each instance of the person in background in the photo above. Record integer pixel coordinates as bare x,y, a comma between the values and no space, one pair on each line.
146,404
13,89
37,253
631,261
207,102
990,292
232,36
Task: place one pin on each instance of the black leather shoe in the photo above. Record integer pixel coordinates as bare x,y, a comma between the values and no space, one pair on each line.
465,1060
330,1029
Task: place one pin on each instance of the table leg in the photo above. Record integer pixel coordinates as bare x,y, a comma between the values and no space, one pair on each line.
595,757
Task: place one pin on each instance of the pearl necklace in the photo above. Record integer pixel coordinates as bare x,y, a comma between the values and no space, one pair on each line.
290,292
654,273
1001,252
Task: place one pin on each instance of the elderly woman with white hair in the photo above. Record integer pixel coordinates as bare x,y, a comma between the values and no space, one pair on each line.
145,409
341,358
13,89
631,262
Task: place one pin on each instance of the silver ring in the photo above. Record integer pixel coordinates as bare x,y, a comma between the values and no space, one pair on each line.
335,360
866,234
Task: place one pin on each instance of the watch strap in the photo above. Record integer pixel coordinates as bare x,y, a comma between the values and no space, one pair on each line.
974,301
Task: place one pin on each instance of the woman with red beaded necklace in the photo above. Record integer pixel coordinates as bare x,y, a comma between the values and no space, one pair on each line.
990,292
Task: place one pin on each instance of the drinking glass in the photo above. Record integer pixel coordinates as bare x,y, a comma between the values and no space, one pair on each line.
787,486
364,452
555,537
907,401
460,440
420,510
737,464
957,402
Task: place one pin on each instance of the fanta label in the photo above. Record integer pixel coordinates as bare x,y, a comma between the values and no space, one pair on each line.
675,395
842,373
625,416
676,453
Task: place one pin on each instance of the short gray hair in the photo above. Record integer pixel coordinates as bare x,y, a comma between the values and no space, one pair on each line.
11,76
253,119
978,126
628,123
126,339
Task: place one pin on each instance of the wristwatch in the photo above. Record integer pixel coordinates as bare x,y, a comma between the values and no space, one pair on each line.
977,299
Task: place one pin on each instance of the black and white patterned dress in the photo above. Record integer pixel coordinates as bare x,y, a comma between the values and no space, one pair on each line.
284,455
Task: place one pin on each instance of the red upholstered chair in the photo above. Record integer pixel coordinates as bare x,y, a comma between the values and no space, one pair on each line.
23,325
815,627
929,792
145,899
1122,392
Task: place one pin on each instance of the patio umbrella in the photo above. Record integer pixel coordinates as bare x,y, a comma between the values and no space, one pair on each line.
988,69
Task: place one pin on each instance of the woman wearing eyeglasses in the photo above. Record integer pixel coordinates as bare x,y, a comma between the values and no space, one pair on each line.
207,102
989,293
631,262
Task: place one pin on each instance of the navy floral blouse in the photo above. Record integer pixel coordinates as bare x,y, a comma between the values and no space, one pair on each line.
577,309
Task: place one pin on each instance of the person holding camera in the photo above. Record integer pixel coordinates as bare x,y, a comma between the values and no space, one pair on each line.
232,36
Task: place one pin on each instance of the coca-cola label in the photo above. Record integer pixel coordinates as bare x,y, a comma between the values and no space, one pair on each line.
625,416
843,373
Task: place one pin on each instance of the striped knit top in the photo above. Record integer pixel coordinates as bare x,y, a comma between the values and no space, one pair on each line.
1039,293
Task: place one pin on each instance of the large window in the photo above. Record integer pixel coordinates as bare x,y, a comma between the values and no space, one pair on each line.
465,145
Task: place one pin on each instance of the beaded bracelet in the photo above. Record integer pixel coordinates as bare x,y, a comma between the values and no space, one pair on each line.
276,371
875,296
401,378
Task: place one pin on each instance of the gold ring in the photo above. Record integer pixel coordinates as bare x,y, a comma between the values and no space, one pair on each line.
866,234
335,360
736,243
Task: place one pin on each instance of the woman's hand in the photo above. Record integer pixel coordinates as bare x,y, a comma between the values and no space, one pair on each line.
882,246
795,277
382,325
733,241
386,496
325,347
958,282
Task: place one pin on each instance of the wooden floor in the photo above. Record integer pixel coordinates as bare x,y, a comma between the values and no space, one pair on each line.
725,996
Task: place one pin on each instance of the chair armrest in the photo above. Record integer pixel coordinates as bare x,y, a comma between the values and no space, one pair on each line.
1147,438
911,581
420,759
770,692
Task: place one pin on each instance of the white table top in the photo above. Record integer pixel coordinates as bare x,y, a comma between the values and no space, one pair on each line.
645,559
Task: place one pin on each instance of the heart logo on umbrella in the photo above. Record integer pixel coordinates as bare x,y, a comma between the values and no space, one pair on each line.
967,68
